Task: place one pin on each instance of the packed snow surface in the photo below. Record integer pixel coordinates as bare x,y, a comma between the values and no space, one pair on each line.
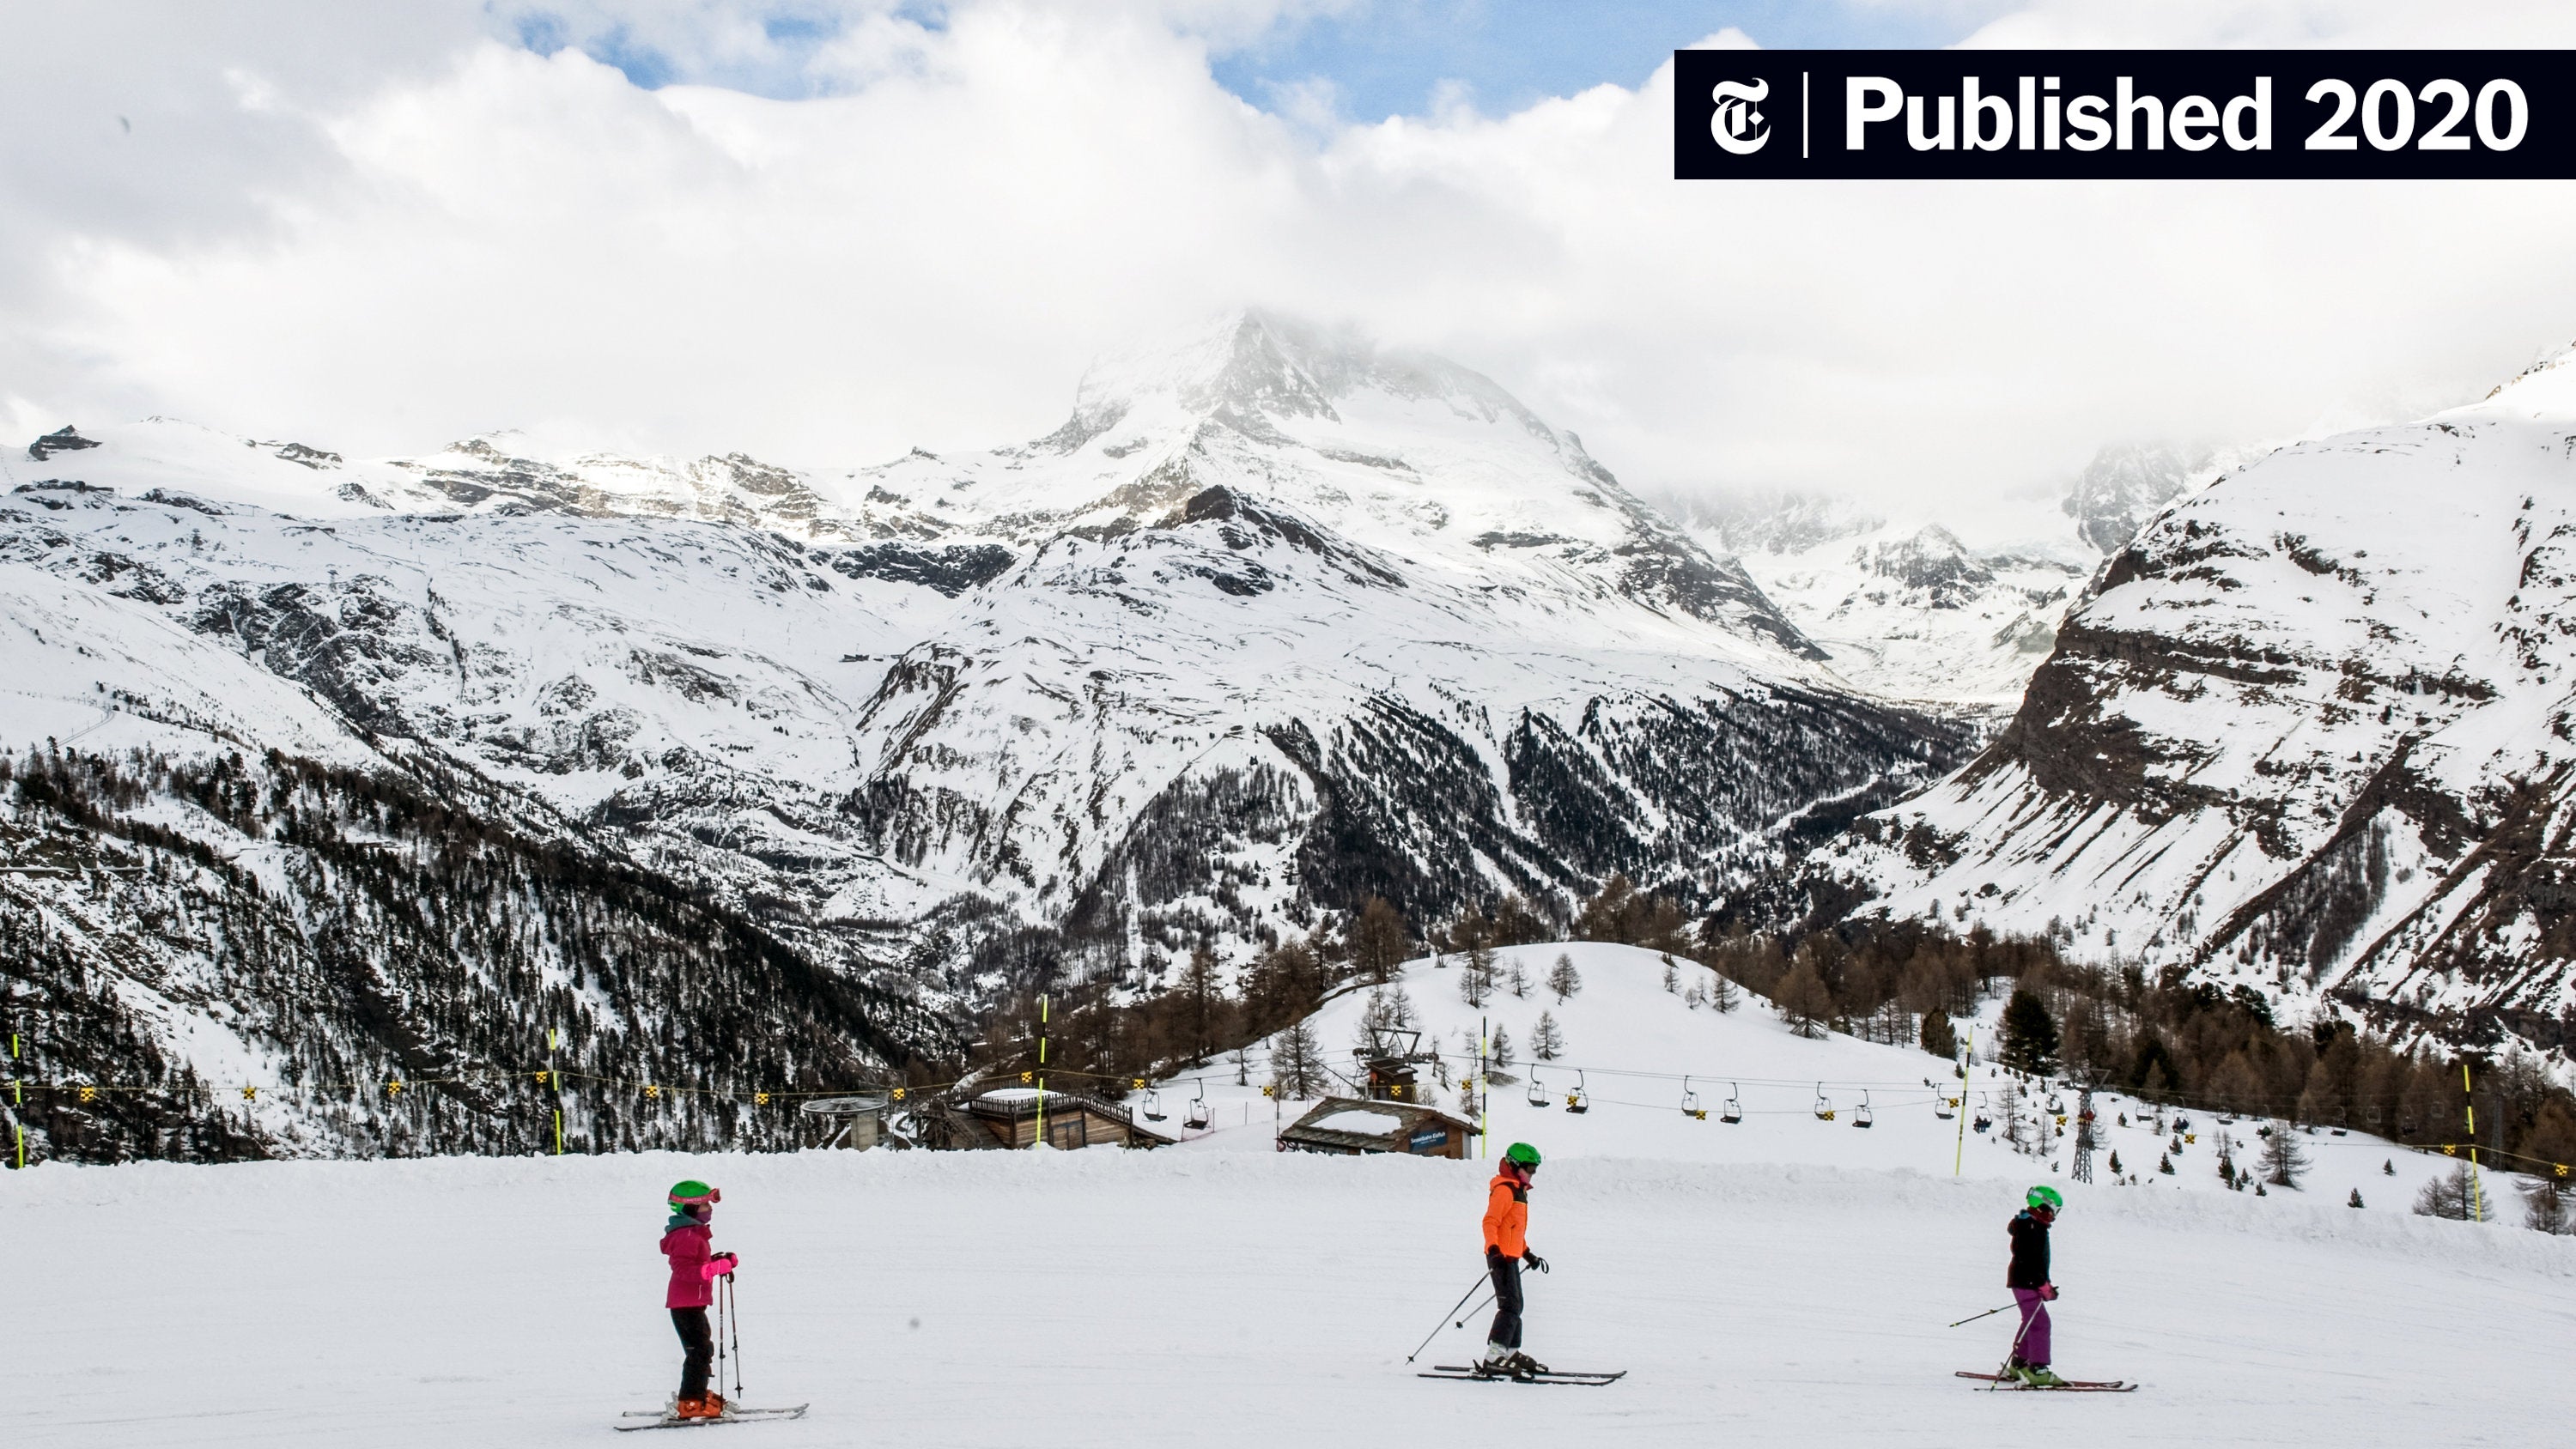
1131,1300
1361,1124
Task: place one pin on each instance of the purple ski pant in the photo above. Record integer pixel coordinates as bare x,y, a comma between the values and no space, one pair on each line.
2034,1327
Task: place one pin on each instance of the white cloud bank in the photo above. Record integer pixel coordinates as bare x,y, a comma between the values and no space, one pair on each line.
376,228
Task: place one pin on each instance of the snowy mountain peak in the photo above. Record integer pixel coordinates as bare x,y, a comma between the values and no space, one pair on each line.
2546,389
2125,485
1931,559
1251,370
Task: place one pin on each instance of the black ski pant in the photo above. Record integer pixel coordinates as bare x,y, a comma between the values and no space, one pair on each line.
700,1341
1506,1274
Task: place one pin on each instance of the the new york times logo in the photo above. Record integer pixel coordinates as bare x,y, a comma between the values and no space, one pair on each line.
2243,114
1737,128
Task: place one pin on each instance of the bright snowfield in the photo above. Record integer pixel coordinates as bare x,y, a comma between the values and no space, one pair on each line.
1629,1044
1131,1300
1194,1296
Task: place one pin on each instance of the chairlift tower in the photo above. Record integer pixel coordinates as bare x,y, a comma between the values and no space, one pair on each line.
1392,1060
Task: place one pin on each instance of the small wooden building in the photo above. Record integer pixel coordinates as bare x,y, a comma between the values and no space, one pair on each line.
1073,1119
1354,1125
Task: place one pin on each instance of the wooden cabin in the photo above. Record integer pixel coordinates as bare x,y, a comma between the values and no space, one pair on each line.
1009,1115
1355,1125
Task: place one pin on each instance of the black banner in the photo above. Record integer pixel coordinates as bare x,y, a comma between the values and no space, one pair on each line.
2253,114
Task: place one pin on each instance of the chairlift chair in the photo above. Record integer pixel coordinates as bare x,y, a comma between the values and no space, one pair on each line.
1824,1105
2056,1105
1198,1119
1537,1093
1690,1103
1576,1100
1154,1106
1733,1111
1945,1106
1860,1114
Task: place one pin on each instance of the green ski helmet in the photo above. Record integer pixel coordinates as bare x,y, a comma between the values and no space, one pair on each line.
2044,1196
1522,1153
692,1193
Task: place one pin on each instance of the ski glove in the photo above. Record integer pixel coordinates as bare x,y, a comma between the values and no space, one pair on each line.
722,1265
2048,1292
1533,1261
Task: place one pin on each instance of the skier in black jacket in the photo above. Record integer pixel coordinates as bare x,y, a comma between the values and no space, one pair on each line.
2032,1291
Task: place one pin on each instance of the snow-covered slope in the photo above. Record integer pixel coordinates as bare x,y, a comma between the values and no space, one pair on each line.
1276,621
1142,1300
2310,731
1633,1048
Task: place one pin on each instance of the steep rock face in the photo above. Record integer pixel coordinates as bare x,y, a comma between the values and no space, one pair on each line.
2125,485
2310,731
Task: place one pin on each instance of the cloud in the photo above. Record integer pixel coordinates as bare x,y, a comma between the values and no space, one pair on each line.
377,228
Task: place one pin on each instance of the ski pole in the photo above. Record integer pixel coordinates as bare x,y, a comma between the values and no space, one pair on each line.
1444,1318
1989,1313
720,1334
2003,1370
735,1314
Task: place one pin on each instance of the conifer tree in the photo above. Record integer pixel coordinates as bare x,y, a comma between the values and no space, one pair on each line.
2029,1033
1547,1042
1380,940
1563,979
1804,1000
1297,1062
2283,1159
1938,1036
2544,1207
2454,1197
1476,976
2356,1198
1518,979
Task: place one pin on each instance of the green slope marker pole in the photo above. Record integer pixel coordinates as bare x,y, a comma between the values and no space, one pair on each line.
1967,1057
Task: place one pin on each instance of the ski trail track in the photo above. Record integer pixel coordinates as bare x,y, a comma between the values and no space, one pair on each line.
1134,1300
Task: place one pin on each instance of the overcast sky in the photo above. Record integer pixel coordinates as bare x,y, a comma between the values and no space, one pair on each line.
828,232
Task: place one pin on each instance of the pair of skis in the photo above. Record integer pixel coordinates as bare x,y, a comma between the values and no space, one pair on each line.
666,1419
1546,1376
2071,1386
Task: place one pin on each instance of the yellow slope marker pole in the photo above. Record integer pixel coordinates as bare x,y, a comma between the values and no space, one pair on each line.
1967,1057
554,1079
17,1099
1042,1046
2477,1189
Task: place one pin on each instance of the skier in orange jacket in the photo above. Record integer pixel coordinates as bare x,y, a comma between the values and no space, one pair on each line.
1506,1250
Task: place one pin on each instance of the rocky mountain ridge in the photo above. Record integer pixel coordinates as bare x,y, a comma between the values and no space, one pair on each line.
2308,732
1277,621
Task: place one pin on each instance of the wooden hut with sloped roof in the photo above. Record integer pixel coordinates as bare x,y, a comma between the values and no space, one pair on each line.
1356,1125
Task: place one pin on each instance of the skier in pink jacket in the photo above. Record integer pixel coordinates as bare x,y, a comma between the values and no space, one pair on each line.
694,1269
